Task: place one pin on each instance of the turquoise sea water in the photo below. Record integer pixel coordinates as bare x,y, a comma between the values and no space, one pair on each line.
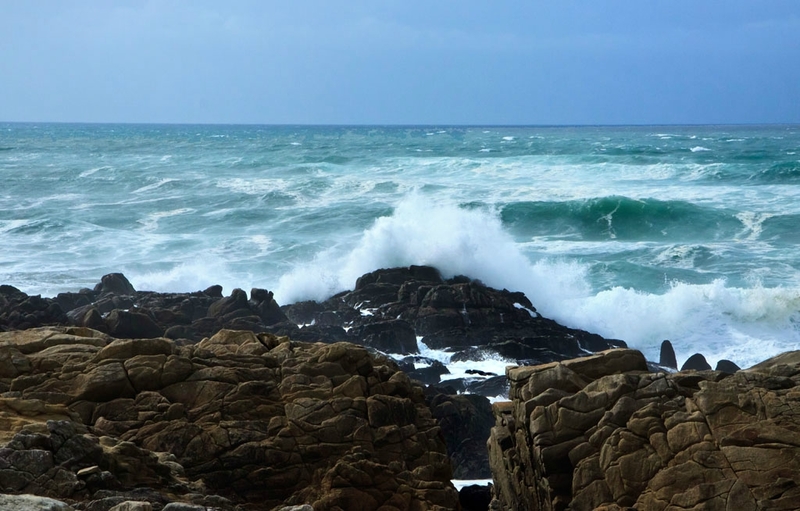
639,233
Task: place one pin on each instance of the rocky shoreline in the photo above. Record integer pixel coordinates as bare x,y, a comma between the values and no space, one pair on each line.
110,396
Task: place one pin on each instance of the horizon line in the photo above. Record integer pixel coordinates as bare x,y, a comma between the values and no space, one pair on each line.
405,125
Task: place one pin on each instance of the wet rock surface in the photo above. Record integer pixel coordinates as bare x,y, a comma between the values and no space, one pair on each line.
602,432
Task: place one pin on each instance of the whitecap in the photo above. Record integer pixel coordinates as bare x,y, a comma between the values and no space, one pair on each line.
87,173
698,149
455,240
196,275
753,224
150,222
153,186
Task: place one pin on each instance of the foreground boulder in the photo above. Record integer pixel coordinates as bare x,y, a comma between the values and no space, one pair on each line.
602,433
239,419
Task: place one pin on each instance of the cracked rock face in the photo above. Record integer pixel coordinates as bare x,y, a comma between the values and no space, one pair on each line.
602,433
236,421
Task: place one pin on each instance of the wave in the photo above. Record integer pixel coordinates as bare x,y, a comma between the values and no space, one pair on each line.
746,325
453,239
741,324
620,218
787,172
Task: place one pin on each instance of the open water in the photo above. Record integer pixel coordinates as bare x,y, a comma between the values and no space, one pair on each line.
639,233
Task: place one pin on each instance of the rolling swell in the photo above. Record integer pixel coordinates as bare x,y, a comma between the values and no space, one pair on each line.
621,218
787,172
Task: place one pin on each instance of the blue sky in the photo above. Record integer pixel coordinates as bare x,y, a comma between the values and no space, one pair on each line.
400,62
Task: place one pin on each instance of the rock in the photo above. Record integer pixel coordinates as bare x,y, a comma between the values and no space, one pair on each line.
224,306
214,291
267,309
667,356
696,362
726,366
262,421
303,313
20,311
475,497
87,316
114,283
31,503
587,434
466,421
393,336
429,375
180,506
132,505
132,325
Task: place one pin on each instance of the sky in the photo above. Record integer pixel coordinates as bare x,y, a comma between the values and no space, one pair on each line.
400,62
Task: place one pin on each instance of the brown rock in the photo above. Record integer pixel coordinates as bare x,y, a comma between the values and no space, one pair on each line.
630,439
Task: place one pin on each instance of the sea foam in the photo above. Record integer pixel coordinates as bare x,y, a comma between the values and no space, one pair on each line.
745,325
457,241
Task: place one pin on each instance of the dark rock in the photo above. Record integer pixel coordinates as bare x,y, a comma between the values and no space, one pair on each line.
303,313
114,283
132,325
224,306
667,355
214,291
318,333
726,366
696,362
181,332
398,276
429,375
479,372
466,422
394,336
475,497
88,316
262,303
7,290
69,301
490,387
373,295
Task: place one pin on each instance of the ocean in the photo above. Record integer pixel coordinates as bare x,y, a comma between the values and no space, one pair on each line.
646,233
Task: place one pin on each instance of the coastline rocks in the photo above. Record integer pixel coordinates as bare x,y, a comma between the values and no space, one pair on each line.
19,311
238,419
115,307
388,311
460,314
601,432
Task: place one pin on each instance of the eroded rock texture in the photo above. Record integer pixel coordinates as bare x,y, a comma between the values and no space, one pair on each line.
601,433
239,420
